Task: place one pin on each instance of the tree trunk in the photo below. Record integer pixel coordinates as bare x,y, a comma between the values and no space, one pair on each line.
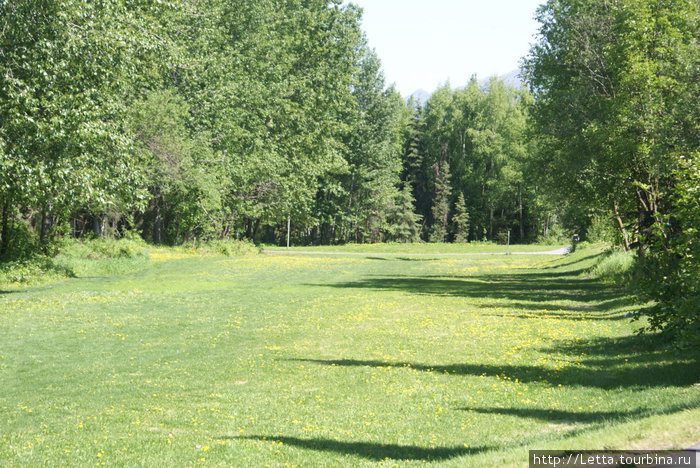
45,223
520,205
255,230
156,221
621,225
491,223
98,225
5,233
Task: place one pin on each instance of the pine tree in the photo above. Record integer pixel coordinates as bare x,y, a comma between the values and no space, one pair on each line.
441,204
460,220
403,222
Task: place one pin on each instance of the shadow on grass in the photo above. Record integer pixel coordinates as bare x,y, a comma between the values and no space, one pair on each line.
653,352
369,450
586,417
616,370
558,416
521,288
417,259
575,261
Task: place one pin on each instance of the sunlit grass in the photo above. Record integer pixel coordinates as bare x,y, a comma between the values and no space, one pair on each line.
424,248
303,360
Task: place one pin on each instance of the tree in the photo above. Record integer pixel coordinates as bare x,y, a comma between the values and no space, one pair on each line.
671,268
441,203
613,83
182,173
460,220
270,82
403,224
67,71
415,171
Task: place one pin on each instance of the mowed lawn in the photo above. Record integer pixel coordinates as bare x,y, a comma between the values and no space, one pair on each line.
286,360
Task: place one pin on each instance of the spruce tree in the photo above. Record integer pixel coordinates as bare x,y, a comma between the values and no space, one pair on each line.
403,222
460,220
441,203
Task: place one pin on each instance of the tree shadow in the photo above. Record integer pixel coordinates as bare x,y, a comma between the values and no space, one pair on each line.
513,288
585,417
610,374
558,416
574,261
604,310
654,351
369,450
565,316
417,259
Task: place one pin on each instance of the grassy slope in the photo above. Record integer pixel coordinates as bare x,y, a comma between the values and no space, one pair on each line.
322,360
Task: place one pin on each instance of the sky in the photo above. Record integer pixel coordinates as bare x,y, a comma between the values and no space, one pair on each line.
424,43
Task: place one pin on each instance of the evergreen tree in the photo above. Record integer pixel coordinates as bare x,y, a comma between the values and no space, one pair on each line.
403,222
415,171
460,220
441,204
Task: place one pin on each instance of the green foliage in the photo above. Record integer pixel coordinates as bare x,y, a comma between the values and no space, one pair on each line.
481,132
230,248
441,202
670,270
602,230
614,83
460,220
103,248
403,224
183,175
20,236
33,270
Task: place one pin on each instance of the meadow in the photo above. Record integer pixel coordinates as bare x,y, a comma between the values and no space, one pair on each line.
303,360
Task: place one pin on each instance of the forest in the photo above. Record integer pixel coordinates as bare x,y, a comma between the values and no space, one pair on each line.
184,121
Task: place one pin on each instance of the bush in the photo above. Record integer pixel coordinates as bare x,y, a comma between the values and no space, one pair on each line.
555,236
670,269
23,242
103,248
230,248
32,270
603,231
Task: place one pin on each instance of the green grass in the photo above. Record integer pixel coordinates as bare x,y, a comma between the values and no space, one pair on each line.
303,360
426,248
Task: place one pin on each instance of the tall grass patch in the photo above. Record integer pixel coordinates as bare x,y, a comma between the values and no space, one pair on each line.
615,267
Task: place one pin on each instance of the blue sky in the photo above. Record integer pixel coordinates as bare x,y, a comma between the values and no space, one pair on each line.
424,43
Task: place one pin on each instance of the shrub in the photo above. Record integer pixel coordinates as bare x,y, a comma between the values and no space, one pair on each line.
231,248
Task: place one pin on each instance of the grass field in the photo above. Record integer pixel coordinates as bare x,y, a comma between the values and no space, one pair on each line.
286,360
420,249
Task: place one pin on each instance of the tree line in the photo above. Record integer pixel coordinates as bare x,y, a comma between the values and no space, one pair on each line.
190,120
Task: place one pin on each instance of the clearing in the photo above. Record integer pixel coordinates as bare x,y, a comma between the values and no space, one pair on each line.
335,360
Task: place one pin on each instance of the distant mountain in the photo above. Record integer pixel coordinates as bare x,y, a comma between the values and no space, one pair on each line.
420,96
511,78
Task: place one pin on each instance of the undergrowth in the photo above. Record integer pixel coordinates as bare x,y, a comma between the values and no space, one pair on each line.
615,267
104,257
